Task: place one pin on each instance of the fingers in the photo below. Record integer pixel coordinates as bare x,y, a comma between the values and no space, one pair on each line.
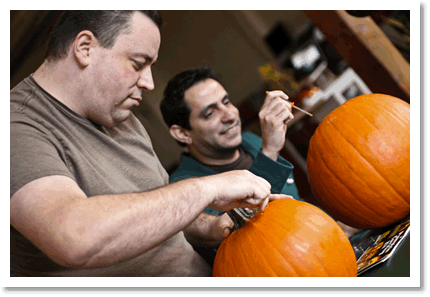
276,110
280,196
274,97
272,197
283,116
274,94
264,204
272,103
262,191
253,203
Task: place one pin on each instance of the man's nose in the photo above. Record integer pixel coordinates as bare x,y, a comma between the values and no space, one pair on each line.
146,80
229,114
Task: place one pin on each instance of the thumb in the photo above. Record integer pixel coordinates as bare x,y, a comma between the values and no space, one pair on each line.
226,232
225,225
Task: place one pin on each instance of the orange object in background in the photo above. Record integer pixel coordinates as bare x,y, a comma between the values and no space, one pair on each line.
359,161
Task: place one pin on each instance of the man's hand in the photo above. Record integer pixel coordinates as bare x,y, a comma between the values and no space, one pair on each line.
274,116
209,230
239,188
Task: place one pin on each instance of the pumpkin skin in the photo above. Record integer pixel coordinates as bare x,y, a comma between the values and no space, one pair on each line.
359,161
291,238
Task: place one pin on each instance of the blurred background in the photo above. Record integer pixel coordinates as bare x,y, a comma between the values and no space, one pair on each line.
319,58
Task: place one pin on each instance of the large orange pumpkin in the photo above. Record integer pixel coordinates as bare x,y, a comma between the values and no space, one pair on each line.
291,238
359,164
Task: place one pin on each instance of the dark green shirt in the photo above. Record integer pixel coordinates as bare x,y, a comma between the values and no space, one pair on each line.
278,173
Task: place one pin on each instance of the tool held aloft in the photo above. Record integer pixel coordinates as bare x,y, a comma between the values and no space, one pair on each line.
298,108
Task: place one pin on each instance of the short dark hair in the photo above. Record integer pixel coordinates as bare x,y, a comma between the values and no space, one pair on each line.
173,106
106,25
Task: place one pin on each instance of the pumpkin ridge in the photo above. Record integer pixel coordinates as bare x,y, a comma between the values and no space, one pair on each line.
383,137
320,262
293,240
232,246
394,116
265,241
242,246
371,166
242,259
377,172
322,246
309,251
404,125
342,202
280,256
372,123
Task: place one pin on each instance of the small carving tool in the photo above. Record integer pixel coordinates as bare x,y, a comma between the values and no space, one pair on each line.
298,108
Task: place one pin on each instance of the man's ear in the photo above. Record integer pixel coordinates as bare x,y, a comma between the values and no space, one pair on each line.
180,134
83,46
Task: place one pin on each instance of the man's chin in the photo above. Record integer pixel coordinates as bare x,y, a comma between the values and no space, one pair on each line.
120,116
233,141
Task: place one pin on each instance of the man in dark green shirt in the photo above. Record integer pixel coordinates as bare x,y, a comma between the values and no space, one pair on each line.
198,111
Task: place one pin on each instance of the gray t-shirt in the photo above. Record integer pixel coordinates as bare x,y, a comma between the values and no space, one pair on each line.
47,138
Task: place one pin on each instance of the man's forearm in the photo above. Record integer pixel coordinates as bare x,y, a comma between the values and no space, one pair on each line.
79,231
147,221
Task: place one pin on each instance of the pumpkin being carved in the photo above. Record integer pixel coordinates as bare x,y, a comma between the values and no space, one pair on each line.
291,238
359,164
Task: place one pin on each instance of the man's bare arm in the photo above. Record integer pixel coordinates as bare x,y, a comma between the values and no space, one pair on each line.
79,231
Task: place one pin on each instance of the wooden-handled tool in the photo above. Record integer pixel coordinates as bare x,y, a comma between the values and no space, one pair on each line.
298,108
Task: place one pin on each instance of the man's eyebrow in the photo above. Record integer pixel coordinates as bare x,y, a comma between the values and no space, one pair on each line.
226,96
206,108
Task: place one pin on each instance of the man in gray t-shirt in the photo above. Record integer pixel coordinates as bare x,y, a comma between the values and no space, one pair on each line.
89,196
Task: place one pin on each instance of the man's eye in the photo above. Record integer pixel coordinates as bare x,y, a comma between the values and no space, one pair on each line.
138,65
208,115
227,102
